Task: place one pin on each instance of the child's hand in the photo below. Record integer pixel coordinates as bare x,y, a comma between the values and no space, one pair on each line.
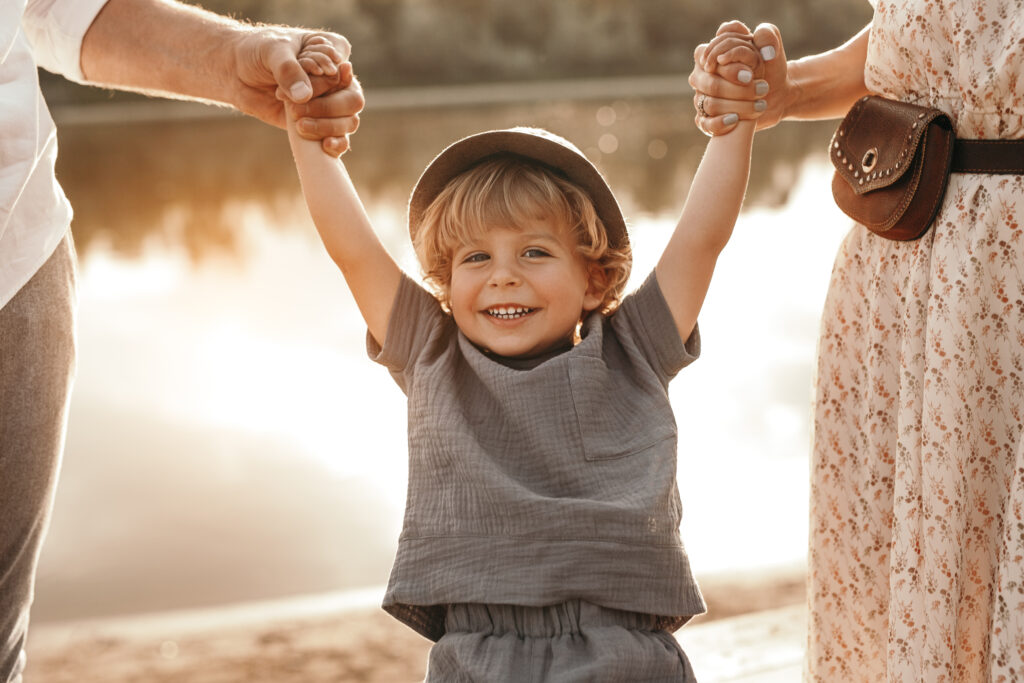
319,57
733,51
323,62
328,71
734,56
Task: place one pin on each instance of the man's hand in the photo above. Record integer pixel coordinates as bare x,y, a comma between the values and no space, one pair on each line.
269,76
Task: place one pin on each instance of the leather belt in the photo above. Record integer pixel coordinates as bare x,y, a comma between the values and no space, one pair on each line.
988,156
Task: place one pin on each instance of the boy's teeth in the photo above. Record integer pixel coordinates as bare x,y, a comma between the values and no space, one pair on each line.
508,312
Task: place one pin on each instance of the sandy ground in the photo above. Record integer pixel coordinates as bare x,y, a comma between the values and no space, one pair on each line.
358,644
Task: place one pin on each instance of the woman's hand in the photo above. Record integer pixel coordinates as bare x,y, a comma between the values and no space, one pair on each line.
725,82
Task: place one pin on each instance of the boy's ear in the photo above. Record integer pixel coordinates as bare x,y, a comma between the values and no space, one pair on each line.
446,297
597,285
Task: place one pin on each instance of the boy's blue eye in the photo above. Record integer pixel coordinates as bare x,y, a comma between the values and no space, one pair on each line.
476,257
534,252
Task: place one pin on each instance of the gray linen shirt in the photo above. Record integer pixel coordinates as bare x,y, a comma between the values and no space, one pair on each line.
540,485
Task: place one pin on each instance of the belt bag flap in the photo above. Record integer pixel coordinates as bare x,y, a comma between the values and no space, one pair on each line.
892,163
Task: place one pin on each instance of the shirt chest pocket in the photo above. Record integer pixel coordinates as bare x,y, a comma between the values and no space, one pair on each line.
618,414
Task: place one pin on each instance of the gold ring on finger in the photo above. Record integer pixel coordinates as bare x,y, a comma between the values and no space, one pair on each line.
700,106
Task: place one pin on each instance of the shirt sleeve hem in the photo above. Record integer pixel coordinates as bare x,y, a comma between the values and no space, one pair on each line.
672,353
397,351
56,30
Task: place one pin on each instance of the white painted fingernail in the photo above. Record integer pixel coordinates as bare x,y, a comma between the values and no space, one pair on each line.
761,88
730,119
760,105
300,91
745,76
768,53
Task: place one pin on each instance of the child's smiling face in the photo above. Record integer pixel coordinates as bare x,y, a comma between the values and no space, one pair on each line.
521,291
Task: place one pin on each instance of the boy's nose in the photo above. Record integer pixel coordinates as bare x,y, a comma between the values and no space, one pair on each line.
504,275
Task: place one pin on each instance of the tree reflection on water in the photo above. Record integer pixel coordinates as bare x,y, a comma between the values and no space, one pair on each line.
184,181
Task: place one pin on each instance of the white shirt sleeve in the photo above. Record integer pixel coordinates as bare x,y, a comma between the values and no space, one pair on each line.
55,29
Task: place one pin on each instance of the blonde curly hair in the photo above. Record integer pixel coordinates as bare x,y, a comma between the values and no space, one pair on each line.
504,190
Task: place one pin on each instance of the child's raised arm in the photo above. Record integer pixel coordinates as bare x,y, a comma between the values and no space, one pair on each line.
712,206
372,275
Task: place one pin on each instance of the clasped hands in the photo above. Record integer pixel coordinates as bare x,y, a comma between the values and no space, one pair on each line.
302,74
740,75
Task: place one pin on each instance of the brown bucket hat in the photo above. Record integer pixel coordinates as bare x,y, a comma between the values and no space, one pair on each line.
536,144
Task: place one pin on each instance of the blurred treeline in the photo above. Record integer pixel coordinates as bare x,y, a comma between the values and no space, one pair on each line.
421,42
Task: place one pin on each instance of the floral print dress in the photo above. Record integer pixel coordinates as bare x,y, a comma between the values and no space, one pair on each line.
917,511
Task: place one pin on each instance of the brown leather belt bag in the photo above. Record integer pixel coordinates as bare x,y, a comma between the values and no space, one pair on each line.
893,161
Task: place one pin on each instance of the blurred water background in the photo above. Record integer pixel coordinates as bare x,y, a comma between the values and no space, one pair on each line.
229,440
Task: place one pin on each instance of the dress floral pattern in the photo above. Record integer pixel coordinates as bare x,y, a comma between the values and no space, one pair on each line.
917,511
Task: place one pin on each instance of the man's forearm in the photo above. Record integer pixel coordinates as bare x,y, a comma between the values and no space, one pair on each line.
162,47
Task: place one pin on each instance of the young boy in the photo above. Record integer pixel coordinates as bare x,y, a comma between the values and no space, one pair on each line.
541,533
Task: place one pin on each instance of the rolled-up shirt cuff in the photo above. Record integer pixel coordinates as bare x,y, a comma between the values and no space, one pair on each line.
55,28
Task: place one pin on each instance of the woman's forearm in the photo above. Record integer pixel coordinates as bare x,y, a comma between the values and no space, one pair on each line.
825,86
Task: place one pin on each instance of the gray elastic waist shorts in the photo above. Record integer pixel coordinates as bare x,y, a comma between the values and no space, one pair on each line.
575,641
